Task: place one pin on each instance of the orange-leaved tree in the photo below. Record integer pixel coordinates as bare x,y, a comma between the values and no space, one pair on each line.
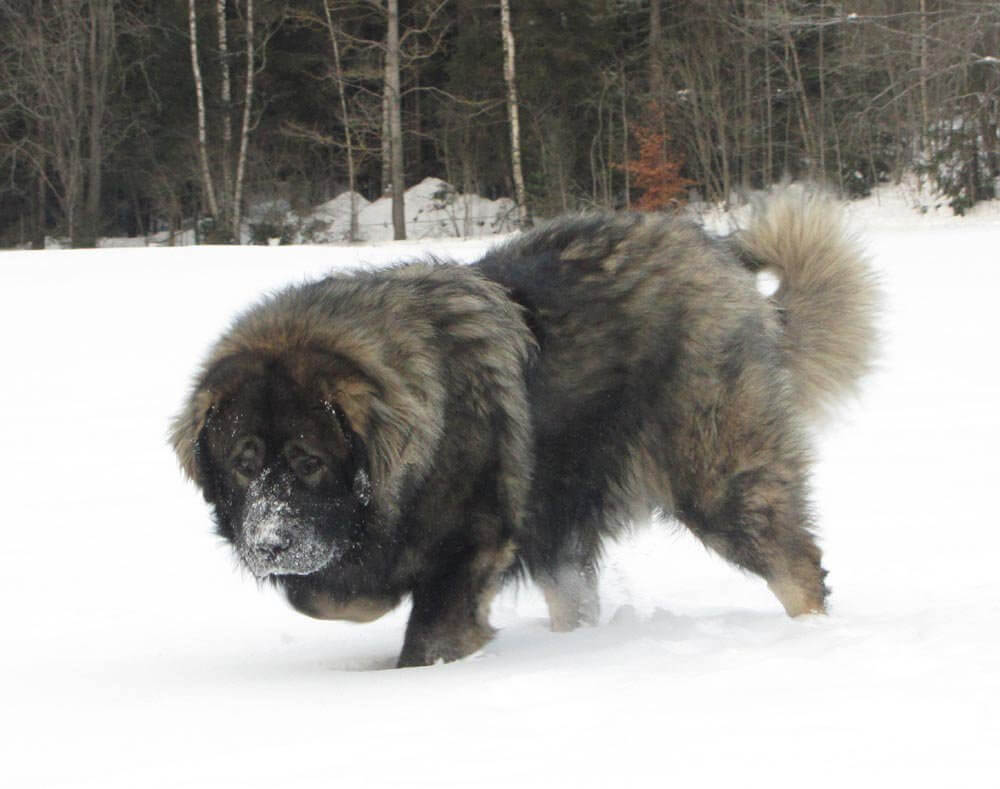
657,169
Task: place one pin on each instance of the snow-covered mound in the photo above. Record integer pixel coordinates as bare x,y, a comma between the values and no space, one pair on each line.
432,209
330,222
435,210
135,655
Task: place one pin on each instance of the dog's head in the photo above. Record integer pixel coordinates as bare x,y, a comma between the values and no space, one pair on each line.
278,458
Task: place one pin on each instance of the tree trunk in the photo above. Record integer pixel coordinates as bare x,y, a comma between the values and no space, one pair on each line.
768,103
100,43
924,111
794,75
509,76
348,141
225,111
206,174
625,133
656,78
386,138
821,110
38,237
395,121
746,138
244,130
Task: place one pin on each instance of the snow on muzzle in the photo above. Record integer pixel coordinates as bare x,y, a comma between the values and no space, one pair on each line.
276,538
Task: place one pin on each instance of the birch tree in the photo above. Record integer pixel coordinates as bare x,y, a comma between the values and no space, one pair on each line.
338,71
395,119
404,46
207,183
226,212
509,75
357,72
245,125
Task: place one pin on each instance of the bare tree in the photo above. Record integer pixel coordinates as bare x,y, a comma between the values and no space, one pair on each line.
509,75
348,138
207,183
57,63
357,71
226,105
656,78
394,109
237,210
226,212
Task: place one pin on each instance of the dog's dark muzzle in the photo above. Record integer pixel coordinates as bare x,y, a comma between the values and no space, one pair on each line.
277,540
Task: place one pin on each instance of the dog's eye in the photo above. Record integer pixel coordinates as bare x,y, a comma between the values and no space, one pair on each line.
247,458
308,468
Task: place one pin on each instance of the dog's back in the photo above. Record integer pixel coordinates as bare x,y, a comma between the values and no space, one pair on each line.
667,381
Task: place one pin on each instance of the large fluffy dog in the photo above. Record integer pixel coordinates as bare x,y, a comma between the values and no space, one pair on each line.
432,429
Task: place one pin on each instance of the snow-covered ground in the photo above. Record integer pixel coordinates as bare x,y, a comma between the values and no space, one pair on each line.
135,654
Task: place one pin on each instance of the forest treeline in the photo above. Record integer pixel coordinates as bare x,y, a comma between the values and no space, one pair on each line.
125,117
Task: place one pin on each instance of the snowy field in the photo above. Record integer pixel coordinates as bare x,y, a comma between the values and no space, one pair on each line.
135,654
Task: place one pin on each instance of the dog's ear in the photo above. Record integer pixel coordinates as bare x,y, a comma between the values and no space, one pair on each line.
187,429
361,484
220,378
350,397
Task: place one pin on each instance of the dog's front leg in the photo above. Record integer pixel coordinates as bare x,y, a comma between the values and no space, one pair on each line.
450,616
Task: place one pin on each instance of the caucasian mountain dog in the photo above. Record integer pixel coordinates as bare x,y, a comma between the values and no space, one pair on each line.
434,429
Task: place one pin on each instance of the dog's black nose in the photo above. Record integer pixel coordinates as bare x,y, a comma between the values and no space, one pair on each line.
273,543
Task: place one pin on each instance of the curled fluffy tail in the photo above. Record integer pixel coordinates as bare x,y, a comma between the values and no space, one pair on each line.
828,296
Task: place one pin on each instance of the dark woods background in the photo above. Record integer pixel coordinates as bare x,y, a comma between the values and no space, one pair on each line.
621,103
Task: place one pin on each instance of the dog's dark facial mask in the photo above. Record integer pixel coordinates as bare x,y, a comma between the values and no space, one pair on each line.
286,477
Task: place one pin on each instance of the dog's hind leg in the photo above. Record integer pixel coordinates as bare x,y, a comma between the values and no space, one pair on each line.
571,596
570,587
758,520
